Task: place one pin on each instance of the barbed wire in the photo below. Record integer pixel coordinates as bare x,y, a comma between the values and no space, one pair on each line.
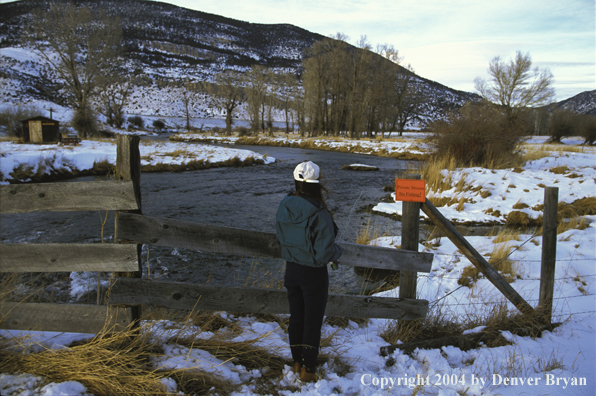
499,302
517,260
427,276
572,313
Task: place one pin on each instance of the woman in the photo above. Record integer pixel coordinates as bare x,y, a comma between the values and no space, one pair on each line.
306,232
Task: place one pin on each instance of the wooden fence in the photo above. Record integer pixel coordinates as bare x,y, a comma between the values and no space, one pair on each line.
128,292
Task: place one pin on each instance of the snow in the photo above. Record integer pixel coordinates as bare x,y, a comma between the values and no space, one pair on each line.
82,157
510,186
561,362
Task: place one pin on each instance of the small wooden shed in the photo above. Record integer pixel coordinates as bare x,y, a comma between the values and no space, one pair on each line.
41,130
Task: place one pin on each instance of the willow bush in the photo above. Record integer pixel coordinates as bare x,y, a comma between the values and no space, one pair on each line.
478,135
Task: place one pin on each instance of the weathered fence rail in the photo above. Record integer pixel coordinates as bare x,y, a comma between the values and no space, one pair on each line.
189,235
67,257
75,318
177,295
64,197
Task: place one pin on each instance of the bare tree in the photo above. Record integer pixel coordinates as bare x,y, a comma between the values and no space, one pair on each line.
112,98
515,84
226,94
187,96
79,45
255,83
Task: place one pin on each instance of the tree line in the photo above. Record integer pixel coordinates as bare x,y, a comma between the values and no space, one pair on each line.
339,89
342,90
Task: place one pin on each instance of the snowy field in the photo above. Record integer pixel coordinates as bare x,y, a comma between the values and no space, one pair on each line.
561,362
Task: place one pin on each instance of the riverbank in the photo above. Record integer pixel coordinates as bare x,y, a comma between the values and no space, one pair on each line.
411,146
22,163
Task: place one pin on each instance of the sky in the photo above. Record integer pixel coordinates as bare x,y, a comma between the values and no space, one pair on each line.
451,42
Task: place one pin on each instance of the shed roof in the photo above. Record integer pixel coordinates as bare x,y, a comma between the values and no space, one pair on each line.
40,118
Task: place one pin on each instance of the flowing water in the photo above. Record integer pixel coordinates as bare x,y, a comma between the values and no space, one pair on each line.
233,197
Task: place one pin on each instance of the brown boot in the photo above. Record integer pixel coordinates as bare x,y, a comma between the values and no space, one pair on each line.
297,367
308,377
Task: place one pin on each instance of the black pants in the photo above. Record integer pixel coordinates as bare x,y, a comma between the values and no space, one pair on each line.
308,288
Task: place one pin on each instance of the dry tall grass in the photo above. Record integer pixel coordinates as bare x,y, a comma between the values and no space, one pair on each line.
106,365
123,363
498,258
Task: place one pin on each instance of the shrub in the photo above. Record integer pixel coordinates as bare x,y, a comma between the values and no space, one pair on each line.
588,129
136,121
243,131
85,122
476,136
159,125
11,118
563,123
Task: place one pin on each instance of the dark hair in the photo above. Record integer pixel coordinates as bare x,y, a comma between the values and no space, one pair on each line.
315,190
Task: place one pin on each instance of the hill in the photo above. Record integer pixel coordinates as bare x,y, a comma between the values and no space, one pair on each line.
583,103
167,43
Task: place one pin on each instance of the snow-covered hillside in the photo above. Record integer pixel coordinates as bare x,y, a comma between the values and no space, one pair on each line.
165,44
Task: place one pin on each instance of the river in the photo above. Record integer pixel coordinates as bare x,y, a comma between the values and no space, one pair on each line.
234,197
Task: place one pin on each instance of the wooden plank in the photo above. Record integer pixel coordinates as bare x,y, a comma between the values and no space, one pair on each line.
73,318
476,258
177,295
549,252
410,235
66,257
188,235
59,197
128,167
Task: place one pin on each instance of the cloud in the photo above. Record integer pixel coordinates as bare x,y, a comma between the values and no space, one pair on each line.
450,42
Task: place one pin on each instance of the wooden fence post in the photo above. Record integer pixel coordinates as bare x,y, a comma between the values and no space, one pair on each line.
410,235
128,167
549,252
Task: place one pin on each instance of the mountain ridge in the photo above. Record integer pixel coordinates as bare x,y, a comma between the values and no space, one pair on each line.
165,43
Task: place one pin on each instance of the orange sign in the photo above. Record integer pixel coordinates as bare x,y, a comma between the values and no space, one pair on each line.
410,190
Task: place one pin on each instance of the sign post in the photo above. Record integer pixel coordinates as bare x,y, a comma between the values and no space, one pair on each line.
412,191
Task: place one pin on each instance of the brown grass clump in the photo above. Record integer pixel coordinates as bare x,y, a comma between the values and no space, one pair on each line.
518,218
495,317
432,173
107,365
586,206
469,276
369,233
246,353
439,202
501,235
559,170
520,205
192,382
434,325
499,258
573,224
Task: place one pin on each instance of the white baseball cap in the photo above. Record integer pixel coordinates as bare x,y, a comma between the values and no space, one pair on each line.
307,172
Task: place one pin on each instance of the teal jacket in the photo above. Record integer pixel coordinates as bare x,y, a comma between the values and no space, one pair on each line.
306,232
